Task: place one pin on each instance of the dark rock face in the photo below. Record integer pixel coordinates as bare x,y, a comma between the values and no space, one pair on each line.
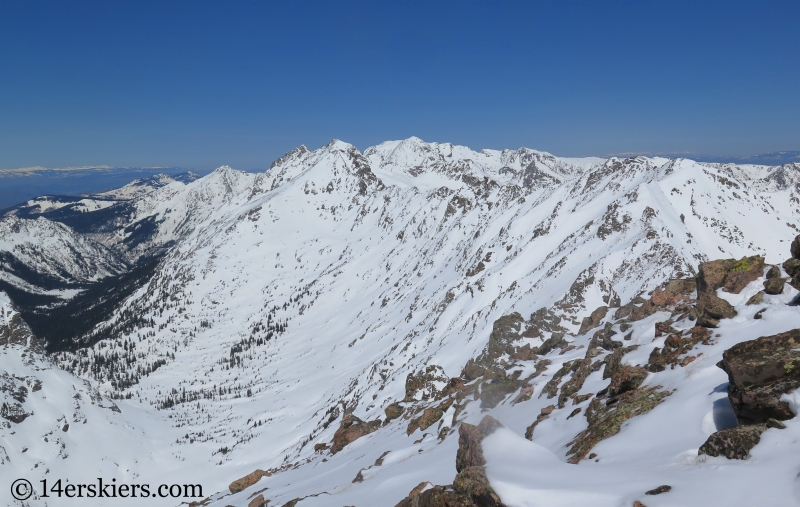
351,429
792,266
733,443
760,371
593,320
470,487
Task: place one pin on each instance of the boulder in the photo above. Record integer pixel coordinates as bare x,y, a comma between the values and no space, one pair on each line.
729,275
760,372
351,429
792,266
733,443
715,307
247,481
774,285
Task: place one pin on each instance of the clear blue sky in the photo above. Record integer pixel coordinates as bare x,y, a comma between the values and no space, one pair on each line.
199,84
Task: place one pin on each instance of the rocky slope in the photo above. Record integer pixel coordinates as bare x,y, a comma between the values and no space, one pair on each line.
295,312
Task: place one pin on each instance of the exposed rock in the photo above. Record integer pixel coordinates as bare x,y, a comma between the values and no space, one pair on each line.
425,384
792,266
593,320
13,412
470,487
470,449
392,412
556,340
667,298
613,361
773,272
774,285
258,502
545,414
760,371
602,338
321,447
682,285
715,307
472,370
733,443
774,423
728,274
499,387
659,490
627,378
605,421
581,369
795,247
429,416
247,481
756,299
676,346
351,429
505,331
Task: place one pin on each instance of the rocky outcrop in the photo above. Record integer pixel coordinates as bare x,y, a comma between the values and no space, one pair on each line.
606,417
470,487
761,371
675,349
429,416
730,275
499,386
392,412
351,429
247,481
593,320
774,283
627,378
424,385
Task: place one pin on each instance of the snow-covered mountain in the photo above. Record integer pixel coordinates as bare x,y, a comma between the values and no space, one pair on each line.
276,306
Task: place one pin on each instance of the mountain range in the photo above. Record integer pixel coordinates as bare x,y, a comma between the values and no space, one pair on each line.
337,324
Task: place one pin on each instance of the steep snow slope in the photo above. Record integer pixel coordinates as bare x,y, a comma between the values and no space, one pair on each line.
56,426
315,289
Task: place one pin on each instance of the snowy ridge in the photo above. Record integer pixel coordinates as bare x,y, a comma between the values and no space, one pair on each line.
288,299
34,249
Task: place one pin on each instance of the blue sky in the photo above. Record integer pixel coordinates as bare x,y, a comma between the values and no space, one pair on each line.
200,84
